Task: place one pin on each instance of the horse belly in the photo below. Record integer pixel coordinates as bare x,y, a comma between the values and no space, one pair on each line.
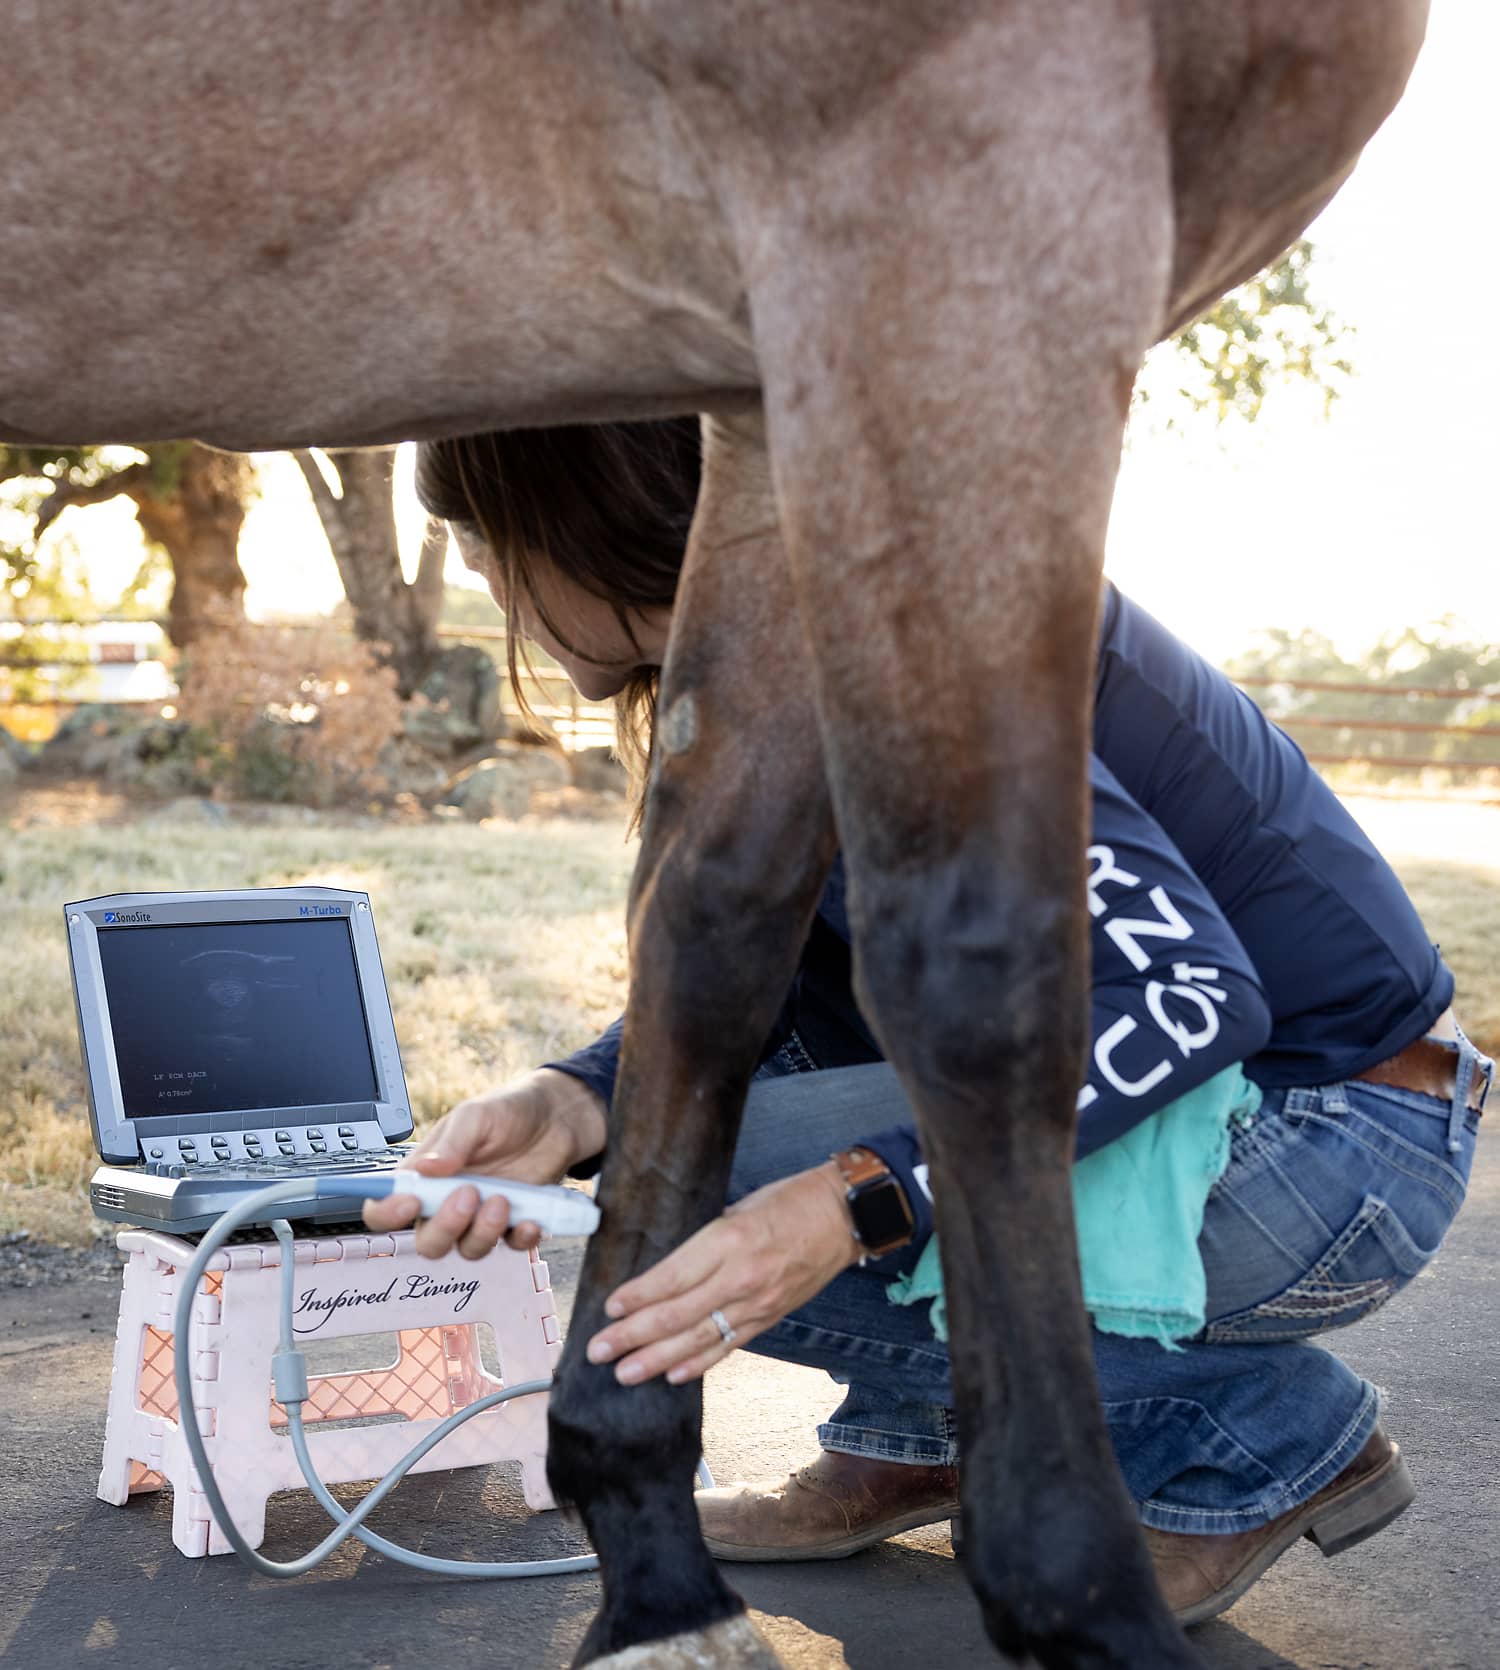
277,229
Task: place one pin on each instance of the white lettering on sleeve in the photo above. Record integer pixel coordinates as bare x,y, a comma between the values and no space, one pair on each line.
1125,931
1188,975
1178,1031
1102,869
1108,1042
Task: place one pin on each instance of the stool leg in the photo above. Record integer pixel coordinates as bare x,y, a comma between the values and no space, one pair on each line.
190,1522
247,1507
124,1383
521,1311
534,1486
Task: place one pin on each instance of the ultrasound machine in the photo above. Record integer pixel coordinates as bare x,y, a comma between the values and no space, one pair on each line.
232,1040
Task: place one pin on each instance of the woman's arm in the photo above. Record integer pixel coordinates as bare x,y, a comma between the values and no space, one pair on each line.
1174,1001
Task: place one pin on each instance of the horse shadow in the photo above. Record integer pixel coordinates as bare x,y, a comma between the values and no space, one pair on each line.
906,1605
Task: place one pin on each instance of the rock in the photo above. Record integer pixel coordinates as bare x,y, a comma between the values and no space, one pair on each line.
14,756
124,749
457,705
502,786
598,771
85,735
409,768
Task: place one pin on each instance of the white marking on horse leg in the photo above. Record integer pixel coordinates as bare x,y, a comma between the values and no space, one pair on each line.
677,729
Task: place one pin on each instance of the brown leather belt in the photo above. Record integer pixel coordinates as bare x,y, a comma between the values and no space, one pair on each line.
1427,1068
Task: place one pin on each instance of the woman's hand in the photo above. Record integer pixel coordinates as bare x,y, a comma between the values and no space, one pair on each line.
768,1254
530,1130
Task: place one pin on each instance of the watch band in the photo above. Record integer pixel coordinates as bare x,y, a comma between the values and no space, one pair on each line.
878,1207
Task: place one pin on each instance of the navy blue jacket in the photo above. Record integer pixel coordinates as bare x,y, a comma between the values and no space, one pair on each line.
1238,913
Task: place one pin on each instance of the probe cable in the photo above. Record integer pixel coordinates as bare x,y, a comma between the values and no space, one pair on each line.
289,1377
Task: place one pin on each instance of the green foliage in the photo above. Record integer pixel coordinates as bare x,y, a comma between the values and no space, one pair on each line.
165,460
468,606
27,477
1267,334
1397,666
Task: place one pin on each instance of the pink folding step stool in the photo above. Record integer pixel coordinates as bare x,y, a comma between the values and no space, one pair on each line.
345,1285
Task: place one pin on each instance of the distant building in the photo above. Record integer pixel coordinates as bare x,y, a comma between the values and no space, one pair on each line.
101,661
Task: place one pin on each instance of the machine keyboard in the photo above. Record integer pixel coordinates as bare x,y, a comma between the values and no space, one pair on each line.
268,1170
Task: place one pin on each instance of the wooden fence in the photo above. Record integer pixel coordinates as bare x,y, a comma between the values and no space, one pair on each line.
550,697
1380,741
1383,735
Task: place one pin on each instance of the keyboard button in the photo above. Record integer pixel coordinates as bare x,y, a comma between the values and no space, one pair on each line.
349,1142
283,1136
346,1130
185,1142
286,1148
314,1133
156,1153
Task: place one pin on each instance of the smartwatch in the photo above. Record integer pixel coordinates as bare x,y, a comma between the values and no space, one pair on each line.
878,1205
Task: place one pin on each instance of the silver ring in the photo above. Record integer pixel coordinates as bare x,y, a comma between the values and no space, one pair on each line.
721,1322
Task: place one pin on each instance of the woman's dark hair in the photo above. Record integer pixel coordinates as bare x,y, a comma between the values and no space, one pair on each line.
608,506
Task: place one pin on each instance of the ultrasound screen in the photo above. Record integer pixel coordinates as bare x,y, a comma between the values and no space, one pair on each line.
225,1016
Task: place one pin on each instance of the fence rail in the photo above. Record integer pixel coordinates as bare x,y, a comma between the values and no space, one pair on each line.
1458,748
551,699
1482,693
1331,740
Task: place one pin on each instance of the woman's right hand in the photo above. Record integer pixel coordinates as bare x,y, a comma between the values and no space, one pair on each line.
532,1130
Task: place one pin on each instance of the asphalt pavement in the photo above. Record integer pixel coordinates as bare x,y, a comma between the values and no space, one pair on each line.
82,1582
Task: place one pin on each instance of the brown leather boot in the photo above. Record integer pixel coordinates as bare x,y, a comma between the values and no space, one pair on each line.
1203,1576
836,1506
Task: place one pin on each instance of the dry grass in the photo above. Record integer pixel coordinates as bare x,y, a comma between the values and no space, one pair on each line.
503,945
1447,852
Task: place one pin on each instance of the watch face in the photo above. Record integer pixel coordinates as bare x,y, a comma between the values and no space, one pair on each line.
881,1214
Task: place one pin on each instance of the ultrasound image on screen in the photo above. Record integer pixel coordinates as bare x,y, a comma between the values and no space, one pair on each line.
224,1016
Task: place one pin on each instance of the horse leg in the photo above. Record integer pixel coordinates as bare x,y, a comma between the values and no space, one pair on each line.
945,409
737,840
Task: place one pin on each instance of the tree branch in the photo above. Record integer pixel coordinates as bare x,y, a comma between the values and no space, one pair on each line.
325,501
427,588
133,481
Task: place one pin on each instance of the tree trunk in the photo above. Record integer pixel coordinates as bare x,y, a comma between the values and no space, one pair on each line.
360,523
188,499
195,513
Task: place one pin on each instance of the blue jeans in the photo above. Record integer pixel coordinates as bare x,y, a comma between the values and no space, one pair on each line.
1333,1199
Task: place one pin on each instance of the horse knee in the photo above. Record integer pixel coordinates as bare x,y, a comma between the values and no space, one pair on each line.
971,979
714,940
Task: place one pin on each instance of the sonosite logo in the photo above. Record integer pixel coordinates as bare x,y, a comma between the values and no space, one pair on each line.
112,917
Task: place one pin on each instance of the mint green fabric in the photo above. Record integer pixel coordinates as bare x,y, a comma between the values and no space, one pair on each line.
1139,1205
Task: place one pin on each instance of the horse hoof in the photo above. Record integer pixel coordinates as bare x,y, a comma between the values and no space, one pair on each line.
731,1644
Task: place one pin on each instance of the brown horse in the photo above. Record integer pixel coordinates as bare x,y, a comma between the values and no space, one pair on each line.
925,243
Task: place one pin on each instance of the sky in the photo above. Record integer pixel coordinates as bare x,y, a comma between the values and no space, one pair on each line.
1377,518
1382,516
